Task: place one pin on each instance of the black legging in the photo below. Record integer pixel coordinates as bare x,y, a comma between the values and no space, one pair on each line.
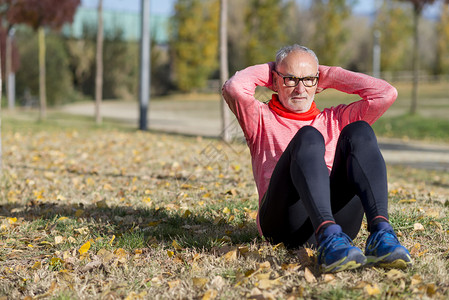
302,196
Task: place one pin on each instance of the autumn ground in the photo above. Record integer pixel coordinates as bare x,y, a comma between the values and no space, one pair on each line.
111,213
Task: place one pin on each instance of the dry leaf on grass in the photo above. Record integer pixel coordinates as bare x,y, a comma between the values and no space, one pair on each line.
395,274
418,227
372,290
199,282
308,275
210,295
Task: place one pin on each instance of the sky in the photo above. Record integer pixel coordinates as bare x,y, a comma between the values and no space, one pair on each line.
165,7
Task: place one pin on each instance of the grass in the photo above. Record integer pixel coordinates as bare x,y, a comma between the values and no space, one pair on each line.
164,220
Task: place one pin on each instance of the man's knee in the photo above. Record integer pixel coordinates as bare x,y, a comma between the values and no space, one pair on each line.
359,132
308,135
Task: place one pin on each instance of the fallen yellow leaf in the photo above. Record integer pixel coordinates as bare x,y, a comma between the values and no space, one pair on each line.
252,214
279,246
431,289
407,201
309,252
290,267
36,265
120,252
186,213
176,245
174,283
153,223
135,296
372,290
55,261
395,274
243,249
84,248
210,295
102,203
231,255
199,282
416,279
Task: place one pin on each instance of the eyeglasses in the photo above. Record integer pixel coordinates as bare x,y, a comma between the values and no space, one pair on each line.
292,81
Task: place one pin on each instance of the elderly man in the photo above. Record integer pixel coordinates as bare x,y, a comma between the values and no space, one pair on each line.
317,172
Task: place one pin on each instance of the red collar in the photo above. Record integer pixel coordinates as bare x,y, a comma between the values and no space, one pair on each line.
277,107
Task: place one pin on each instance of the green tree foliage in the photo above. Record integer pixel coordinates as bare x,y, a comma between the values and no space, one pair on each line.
194,42
82,57
264,30
120,69
330,33
59,77
442,57
395,31
160,70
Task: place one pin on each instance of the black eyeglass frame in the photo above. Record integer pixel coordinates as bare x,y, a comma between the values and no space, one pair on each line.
298,79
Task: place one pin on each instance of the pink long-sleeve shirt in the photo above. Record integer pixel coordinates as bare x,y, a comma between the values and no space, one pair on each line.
268,134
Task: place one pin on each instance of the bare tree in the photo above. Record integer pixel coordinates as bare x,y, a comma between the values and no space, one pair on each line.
39,14
418,6
99,63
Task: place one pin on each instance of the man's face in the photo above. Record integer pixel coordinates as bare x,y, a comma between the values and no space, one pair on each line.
298,64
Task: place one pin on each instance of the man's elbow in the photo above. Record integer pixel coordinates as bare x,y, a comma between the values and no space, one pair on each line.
391,94
228,89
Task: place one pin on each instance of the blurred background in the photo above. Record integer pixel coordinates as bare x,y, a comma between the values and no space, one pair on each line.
401,41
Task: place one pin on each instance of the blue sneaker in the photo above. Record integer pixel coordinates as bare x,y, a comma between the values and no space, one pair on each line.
336,251
383,249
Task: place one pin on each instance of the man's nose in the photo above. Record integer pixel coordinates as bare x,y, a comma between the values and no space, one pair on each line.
300,88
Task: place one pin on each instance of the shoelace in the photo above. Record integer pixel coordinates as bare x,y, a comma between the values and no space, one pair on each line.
389,237
340,240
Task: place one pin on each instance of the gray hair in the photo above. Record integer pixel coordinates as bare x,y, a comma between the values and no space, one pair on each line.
284,51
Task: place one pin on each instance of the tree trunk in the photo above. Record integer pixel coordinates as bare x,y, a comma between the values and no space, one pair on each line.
99,63
224,72
8,68
415,57
42,88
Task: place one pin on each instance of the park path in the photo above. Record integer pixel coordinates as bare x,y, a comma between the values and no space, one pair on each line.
203,118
